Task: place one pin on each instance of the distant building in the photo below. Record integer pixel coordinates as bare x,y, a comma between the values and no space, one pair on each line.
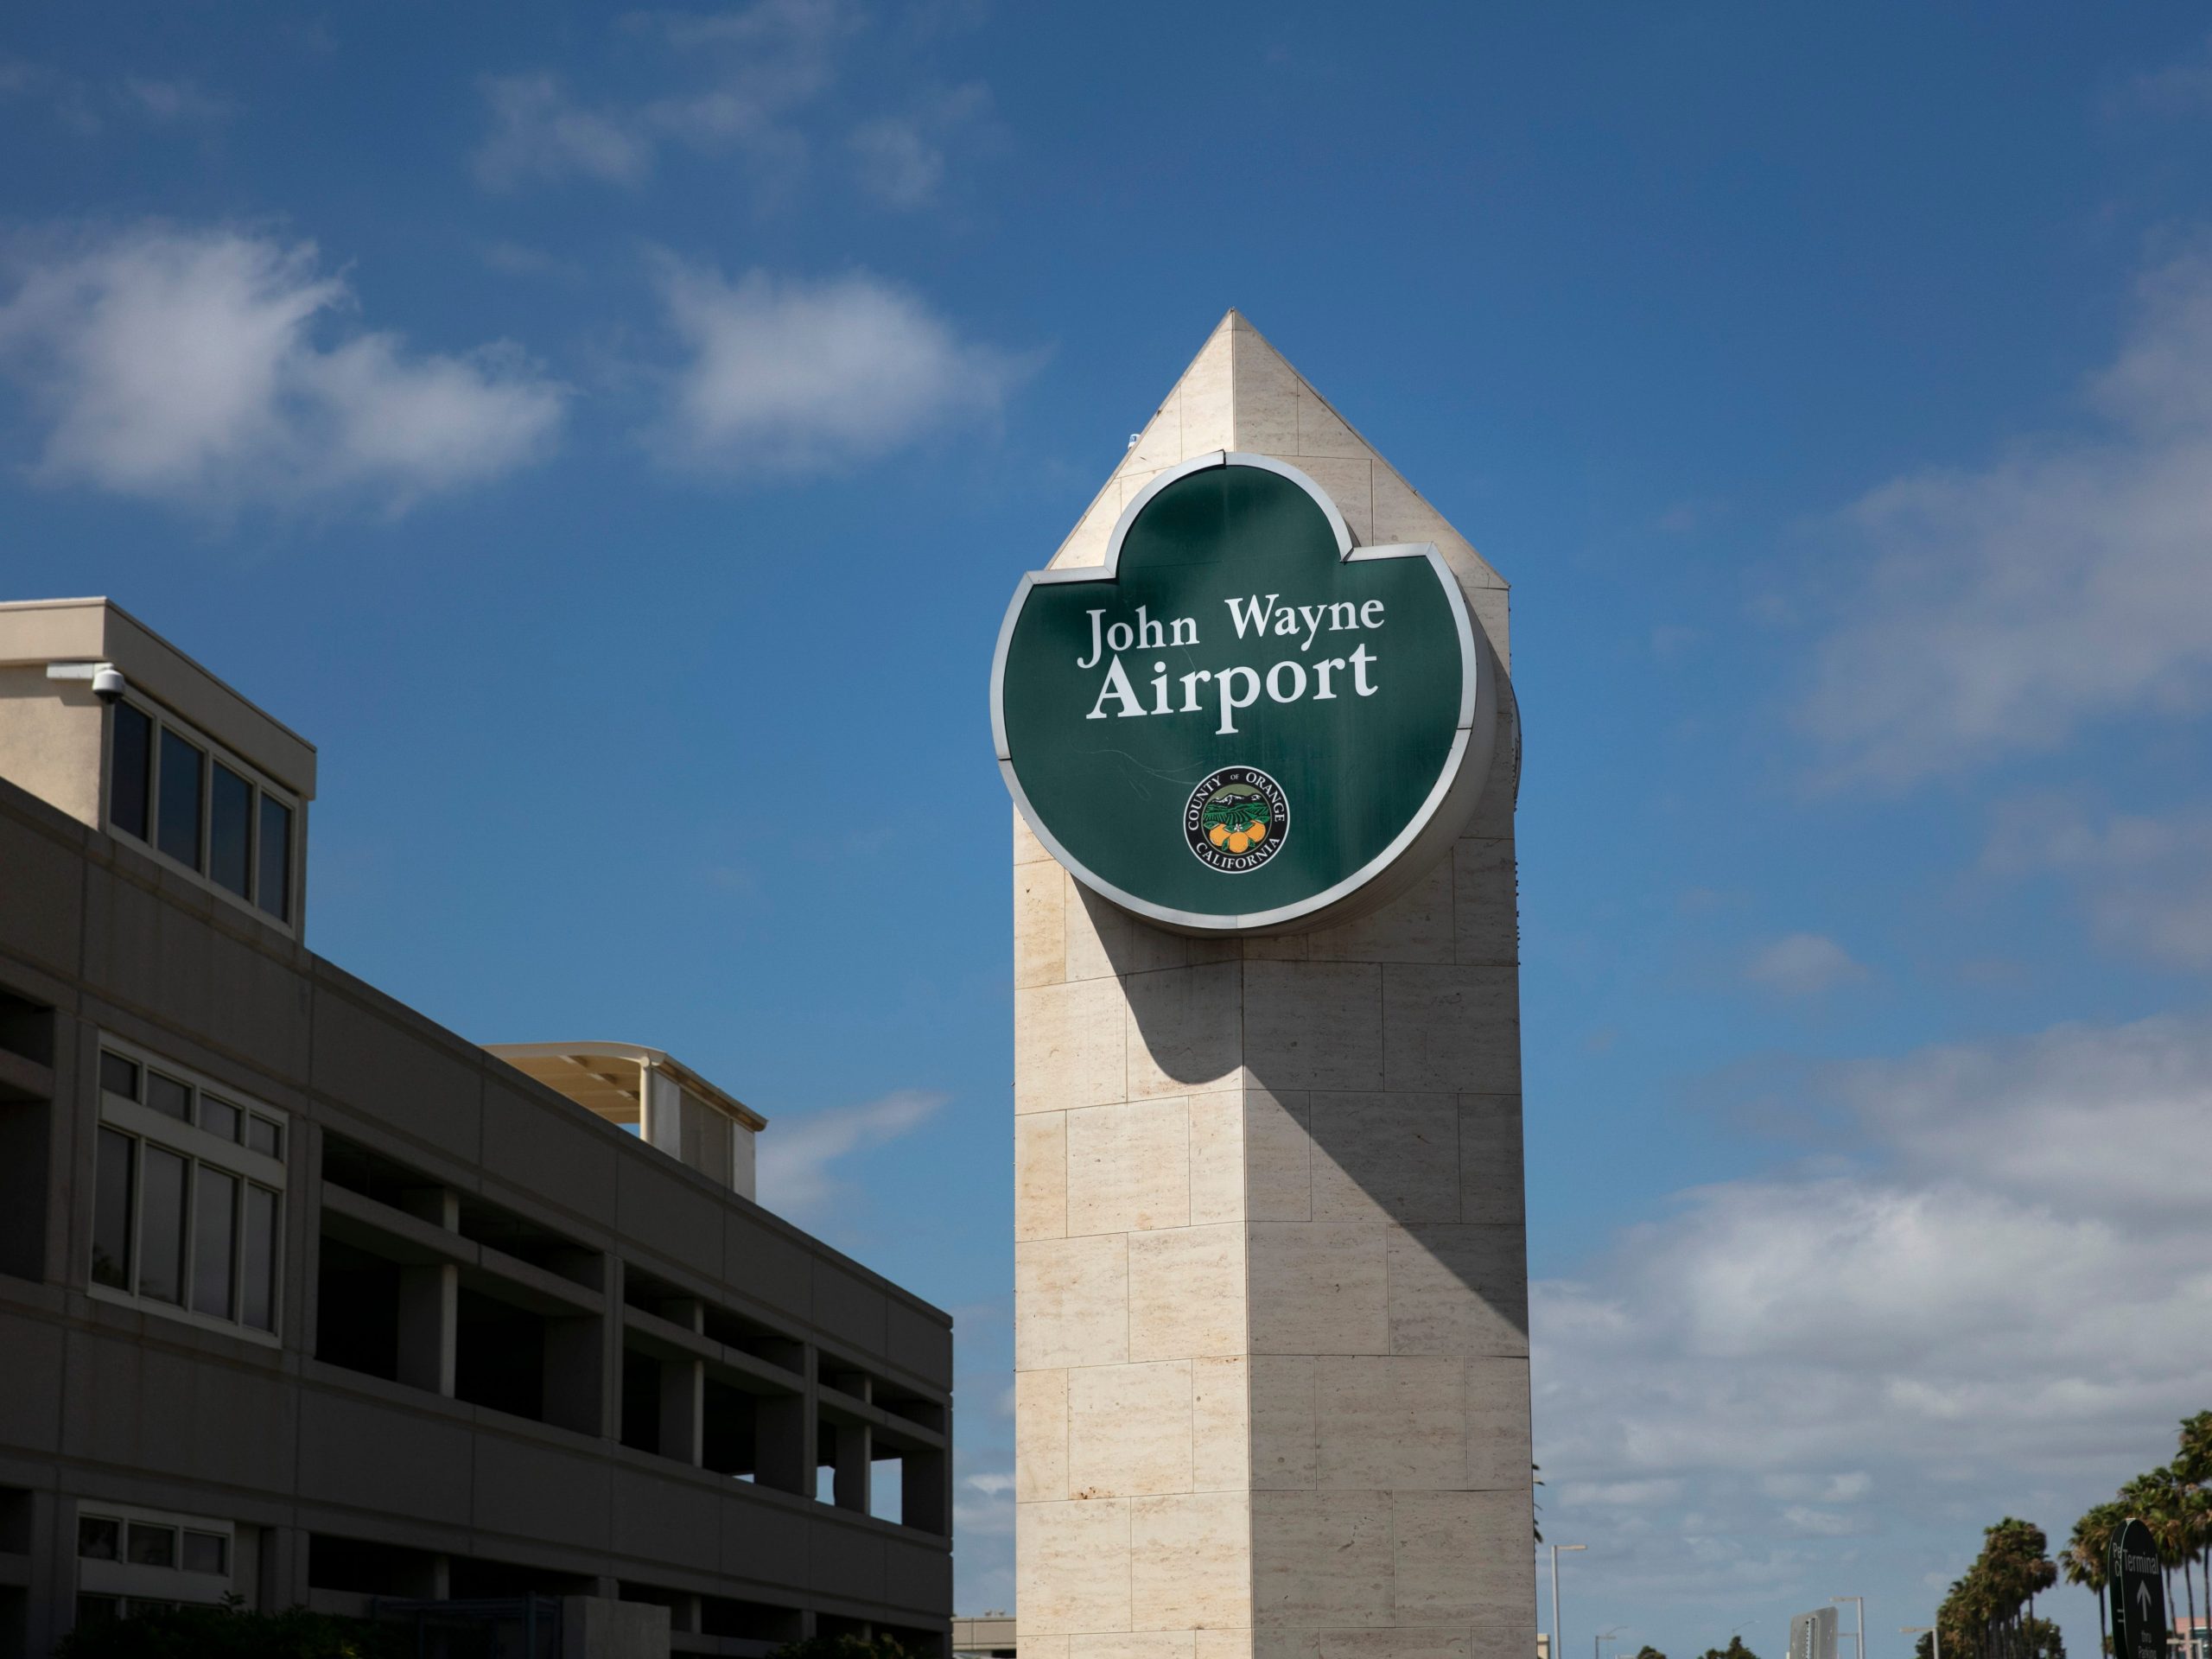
306,1299
985,1636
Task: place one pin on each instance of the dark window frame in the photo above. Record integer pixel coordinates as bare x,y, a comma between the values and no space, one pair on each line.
253,1306
272,831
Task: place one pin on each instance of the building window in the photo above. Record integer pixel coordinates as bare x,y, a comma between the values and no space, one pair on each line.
132,769
132,1561
209,812
187,1205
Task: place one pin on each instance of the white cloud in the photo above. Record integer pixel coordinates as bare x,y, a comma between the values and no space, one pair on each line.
2145,883
754,69
787,375
538,133
1998,610
183,366
173,103
1803,964
2178,89
901,159
798,1155
2007,1309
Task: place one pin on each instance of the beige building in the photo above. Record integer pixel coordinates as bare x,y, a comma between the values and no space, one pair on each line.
307,1299
1271,1333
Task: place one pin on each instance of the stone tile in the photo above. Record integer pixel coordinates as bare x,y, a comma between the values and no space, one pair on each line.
1275,947
1027,849
1129,1429
1040,1436
1218,1156
1160,443
1492,608
1266,399
1284,1436
1132,1644
1207,391
1278,1157
1184,1029
1189,1560
1102,938
1492,1184
1072,1567
1322,431
1039,929
1396,1645
1344,481
1416,926
1320,1288
1071,1045
1321,1559
1457,1288
1486,918
1385,1157
1187,1293
1220,1425
1070,1300
1041,1175
1128,1167
1281,1643
1456,1029
1312,1025
1493,814
1401,515
1436,1535
1497,1424
1389,1421
1086,543
1225,1644
1056,1646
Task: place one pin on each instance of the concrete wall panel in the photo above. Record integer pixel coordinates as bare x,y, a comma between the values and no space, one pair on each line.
369,1062
387,1458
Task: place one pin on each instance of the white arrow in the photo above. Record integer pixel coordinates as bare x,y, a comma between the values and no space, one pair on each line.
2143,1601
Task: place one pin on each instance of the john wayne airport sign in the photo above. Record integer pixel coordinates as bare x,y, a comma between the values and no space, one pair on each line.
1241,722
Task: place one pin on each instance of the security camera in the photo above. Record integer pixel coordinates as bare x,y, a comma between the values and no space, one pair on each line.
108,683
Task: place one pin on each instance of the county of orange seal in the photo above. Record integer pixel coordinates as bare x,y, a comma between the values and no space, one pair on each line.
1236,820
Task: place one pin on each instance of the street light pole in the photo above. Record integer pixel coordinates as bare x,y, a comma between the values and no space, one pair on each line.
1861,1601
1607,1636
1557,1652
1935,1638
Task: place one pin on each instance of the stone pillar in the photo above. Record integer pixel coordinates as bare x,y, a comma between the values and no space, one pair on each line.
1270,1349
430,1300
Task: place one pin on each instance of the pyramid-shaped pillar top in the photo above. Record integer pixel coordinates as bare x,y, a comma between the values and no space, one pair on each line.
1240,394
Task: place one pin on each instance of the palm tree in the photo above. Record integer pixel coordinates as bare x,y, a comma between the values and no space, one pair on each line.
2158,1502
2085,1555
2193,1465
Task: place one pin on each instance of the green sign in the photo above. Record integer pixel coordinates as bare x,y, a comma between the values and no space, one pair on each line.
2134,1581
1242,723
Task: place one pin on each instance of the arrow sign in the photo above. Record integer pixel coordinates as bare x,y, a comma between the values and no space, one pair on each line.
2138,1594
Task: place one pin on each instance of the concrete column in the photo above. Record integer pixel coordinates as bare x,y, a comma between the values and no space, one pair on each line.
784,1436
53,1565
683,1411
664,1108
855,1465
430,1308
925,1494
1270,1327
576,1373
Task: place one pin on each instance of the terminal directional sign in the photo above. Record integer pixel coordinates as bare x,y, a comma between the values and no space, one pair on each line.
2134,1583
1242,722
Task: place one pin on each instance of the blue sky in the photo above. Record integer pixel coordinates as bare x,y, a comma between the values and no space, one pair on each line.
613,437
